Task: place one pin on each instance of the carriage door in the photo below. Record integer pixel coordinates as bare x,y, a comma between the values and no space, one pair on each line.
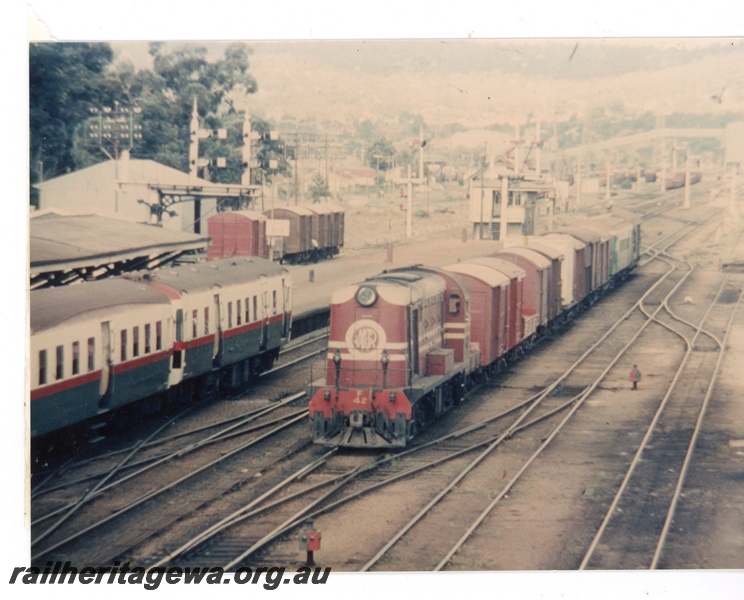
105,358
286,304
265,312
217,327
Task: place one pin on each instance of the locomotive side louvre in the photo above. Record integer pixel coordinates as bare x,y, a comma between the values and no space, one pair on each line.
94,347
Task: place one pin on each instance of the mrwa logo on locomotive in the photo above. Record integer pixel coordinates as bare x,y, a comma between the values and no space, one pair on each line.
366,339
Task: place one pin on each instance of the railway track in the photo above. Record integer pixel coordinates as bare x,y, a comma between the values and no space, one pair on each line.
261,522
634,531
258,525
86,499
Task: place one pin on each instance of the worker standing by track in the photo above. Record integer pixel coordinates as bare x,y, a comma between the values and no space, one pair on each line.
634,377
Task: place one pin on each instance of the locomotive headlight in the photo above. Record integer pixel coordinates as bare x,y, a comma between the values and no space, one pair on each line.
366,296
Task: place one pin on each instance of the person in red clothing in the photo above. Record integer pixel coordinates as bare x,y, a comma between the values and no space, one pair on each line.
634,377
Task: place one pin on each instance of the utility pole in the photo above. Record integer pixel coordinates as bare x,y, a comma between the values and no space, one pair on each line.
245,178
503,228
409,211
194,142
686,204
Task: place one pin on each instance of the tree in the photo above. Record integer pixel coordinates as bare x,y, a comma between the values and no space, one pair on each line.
164,97
380,155
319,188
65,81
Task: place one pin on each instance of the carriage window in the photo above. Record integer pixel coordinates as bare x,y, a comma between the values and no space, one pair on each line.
91,354
42,367
148,331
255,307
195,317
135,341
158,335
75,358
206,320
273,300
229,315
247,312
123,344
60,373
238,314
454,305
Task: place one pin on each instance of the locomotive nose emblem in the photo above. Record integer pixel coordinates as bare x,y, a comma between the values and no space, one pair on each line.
366,339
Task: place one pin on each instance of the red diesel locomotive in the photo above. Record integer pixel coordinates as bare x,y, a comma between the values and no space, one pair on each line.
404,345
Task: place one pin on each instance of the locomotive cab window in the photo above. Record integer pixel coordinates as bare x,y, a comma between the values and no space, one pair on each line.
454,305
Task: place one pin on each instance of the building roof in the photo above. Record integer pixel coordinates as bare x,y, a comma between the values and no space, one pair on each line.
82,243
136,171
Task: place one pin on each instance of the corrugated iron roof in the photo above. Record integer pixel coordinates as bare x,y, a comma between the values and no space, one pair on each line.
69,241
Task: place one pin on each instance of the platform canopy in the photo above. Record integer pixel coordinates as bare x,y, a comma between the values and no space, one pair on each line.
66,248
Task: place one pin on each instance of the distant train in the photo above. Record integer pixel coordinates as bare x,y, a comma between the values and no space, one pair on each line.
405,345
168,334
290,234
